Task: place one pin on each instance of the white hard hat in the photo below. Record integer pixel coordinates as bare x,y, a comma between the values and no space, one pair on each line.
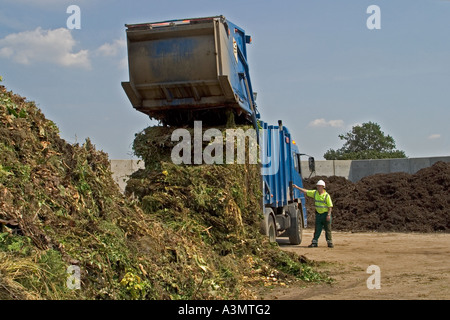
321,183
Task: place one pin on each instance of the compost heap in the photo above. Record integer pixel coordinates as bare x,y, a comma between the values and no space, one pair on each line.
59,207
399,202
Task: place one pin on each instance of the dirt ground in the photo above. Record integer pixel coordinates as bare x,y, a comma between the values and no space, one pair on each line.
412,266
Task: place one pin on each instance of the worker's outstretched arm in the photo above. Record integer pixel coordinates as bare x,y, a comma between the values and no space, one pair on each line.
301,189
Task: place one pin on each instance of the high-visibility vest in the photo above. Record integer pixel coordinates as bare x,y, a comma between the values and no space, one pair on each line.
321,203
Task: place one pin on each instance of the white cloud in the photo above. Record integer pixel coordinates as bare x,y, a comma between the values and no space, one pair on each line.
123,63
321,123
51,46
112,49
117,49
434,136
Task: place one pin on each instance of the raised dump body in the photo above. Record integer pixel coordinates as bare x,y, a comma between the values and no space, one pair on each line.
192,69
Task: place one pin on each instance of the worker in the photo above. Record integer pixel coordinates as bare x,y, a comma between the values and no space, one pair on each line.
324,206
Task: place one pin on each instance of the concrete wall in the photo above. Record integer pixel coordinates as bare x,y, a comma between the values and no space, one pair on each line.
122,169
328,168
353,170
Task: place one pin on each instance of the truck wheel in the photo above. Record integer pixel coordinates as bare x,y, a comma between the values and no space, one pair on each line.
296,229
268,227
271,229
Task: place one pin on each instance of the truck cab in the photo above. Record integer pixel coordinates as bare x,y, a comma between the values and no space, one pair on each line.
283,205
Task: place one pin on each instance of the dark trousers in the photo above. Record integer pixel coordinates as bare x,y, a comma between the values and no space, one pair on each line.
322,223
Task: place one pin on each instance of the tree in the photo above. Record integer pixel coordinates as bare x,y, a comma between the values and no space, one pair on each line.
365,141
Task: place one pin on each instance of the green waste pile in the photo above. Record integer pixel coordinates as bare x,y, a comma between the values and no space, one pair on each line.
59,207
217,207
187,232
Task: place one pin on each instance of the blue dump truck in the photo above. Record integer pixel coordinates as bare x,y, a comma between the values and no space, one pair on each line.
182,71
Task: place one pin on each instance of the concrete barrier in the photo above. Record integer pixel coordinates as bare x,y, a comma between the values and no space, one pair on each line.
358,170
122,169
399,165
327,168
353,170
416,164
342,168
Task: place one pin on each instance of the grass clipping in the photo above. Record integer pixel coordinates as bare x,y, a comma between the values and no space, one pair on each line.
189,233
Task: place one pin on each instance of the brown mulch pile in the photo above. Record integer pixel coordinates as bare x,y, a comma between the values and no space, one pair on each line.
397,202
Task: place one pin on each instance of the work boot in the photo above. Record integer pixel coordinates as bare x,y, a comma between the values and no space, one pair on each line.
330,245
313,244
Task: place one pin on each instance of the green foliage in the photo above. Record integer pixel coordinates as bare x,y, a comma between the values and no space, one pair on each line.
4,173
35,273
365,141
290,264
134,287
15,243
12,108
52,262
68,209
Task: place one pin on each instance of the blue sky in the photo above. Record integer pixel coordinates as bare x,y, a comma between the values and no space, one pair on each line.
314,64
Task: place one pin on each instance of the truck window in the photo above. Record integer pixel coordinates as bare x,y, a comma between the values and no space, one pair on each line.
296,163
